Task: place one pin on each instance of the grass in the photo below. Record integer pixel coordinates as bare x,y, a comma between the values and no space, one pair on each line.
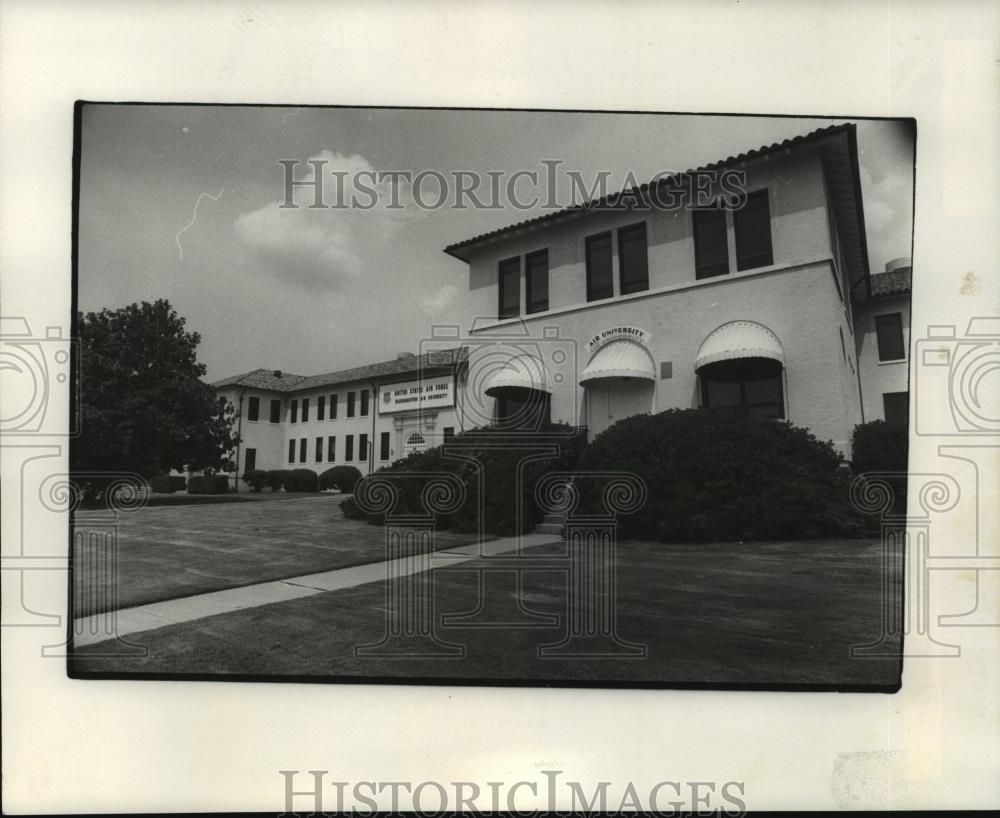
174,551
759,614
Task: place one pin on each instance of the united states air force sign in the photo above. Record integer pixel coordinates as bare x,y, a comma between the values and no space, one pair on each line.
430,393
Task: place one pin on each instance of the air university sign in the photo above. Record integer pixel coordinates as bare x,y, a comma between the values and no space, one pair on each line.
622,333
430,393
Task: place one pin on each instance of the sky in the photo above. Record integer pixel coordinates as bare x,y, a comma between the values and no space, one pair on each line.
182,203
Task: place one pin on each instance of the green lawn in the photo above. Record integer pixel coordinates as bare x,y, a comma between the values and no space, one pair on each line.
740,614
166,552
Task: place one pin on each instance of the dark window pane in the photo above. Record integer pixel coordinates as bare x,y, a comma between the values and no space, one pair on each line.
600,283
723,394
509,277
362,447
350,404
320,407
767,390
291,451
890,337
711,251
384,446
364,403
752,384
276,411
250,462
253,409
305,409
349,448
333,407
752,226
537,282
295,411
449,432
633,259
896,406
331,449
319,450
302,450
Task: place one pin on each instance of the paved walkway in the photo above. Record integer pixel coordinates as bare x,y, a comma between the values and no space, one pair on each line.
91,629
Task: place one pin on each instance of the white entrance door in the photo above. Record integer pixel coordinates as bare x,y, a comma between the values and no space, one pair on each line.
612,399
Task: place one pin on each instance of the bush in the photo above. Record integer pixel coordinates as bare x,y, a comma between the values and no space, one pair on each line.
350,509
276,478
167,484
341,478
301,480
256,479
880,446
718,475
501,456
208,484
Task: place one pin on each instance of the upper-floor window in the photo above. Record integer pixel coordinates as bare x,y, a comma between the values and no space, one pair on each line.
350,404
384,446
362,447
364,403
509,276
305,409
253,409
320,407
333,407
275,411
890,337
319,450
536,281
752,226
896,407
600,283
711,248
633,261
293,411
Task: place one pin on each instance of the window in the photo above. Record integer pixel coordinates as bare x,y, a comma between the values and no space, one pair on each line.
362,447
752,385
319,450
331,449
305,409
633,261
600,283
530,410
364,403
349,448
253,409
276,411
711,249
890,337
350,404
291,451
384,446
415,439
250,460
536,284
294,411
509,279
449,432
752,226
333,407
302,450
320,407
896,406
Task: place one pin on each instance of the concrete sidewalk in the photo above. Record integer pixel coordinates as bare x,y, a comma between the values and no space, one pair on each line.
99,627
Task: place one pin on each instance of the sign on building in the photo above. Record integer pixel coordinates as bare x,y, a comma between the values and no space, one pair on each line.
430,393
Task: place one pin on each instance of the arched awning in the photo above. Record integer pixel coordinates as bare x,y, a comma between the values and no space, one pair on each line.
521,373
739,339
619,359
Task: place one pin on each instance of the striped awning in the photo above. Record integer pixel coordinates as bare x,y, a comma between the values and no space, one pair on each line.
619,359
523,372
739,339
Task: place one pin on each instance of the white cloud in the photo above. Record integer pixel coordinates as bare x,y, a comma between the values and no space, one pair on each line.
323,248
440,300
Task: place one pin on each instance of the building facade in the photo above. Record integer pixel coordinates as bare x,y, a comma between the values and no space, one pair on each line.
664,296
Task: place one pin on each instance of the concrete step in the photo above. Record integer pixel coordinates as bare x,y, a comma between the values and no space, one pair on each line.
549,528
558,519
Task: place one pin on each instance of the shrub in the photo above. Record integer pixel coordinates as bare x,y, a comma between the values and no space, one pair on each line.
880,446
718,475
276,478
256,479
342,478
301,480
208,484
350,509
167,484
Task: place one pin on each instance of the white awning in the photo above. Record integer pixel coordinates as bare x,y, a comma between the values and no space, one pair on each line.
523,372
739,339
619,359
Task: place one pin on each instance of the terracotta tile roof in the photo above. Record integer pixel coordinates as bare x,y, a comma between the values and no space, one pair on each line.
820,133
896,282
265,379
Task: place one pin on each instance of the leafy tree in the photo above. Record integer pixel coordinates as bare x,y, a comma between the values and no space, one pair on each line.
144,406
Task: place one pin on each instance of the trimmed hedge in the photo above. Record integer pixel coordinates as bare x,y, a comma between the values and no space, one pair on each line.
256,479
718,475
276,478
342,478
167,484
301,480
350,509
208,484
880,446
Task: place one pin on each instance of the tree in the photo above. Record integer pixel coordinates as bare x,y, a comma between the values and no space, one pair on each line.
144,407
